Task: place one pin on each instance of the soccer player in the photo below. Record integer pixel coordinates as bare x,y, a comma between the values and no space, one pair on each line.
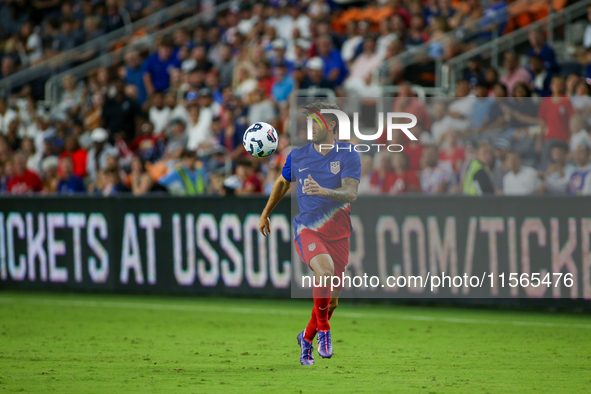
326,173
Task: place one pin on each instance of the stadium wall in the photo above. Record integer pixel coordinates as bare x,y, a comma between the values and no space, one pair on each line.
192,246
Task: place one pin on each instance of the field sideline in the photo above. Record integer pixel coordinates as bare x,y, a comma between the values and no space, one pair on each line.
69,343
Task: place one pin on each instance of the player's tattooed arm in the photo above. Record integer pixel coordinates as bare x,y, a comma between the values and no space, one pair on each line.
346,193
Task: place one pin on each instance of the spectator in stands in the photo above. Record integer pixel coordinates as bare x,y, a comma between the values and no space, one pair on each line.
559,172
486,116
98,154
514,73
31,154
358,83
189,178
452,153
416,36
477,181
442,123
198,130
226,65
404,179
7,116
139,181
580,180
435,179
24,181
475,72
157,67
335,69
134,74
520,180
261,109
382,178
69,183
408,102
541,77
541,49
315,77
460,110
8,67
76,154
120,114
283,85
159,114
579,133
555,112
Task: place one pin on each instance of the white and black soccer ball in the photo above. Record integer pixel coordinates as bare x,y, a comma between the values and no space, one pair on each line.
260,140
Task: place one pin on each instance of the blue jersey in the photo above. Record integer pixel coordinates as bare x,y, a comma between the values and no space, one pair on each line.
328,217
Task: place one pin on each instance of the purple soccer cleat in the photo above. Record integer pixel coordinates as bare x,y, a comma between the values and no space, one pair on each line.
324,344
306,357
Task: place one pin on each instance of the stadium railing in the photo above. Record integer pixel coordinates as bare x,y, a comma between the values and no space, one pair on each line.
463,33
452,70
100,45
53,86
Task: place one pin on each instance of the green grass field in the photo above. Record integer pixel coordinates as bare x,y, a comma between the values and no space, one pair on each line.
65,343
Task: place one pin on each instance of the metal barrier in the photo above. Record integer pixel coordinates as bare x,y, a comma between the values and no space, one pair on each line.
452,69
99,45
53,84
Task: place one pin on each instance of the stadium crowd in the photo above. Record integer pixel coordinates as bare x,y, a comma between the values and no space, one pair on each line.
173,120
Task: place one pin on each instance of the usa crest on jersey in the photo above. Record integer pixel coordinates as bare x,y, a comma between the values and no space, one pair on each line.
335,167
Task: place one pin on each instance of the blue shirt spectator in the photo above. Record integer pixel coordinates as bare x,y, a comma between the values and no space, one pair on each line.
335,68
539,48
69,183
283,85
157,67
134,74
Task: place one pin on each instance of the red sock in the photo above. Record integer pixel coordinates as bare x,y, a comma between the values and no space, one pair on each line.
321,304
310,332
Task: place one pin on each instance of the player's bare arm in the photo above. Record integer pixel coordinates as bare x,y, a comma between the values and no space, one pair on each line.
346,193
279,191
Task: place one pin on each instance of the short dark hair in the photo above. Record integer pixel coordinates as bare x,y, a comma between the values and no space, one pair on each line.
320,105
560,145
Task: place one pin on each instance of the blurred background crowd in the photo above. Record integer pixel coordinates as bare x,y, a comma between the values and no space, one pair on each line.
171,120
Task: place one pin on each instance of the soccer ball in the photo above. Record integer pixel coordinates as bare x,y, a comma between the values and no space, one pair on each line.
260,140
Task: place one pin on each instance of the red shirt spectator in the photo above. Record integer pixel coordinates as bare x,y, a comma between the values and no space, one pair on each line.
24,181
405,182
382,181
78,160
414,150
556,112
253,184
454,157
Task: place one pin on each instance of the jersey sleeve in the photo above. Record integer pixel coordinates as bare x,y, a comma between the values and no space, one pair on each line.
352,166
286,172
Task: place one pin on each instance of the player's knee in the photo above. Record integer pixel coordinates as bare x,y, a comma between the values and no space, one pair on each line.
326,270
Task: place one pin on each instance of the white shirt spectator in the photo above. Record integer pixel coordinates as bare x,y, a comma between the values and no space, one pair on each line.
431,178
555,183
462,106
440,127
200,132
582,137
349,46
35,47
580,181
159,118
587,37
108,150
384,41
525,182
6,120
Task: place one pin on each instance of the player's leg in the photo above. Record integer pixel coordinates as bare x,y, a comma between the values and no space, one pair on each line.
334,301
309,246
323,267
